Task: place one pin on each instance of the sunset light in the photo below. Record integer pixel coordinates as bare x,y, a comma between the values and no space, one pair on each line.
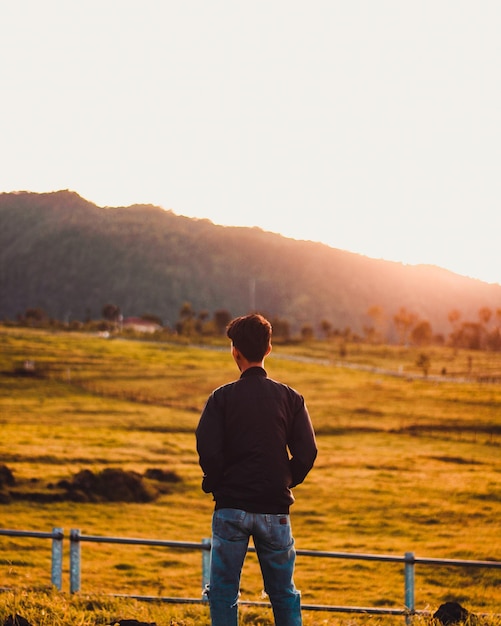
371,127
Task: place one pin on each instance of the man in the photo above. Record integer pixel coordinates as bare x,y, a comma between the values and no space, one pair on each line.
255,443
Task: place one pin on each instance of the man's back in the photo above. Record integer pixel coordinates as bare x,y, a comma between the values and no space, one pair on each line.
253,423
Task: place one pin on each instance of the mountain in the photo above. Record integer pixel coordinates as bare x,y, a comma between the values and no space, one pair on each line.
70,257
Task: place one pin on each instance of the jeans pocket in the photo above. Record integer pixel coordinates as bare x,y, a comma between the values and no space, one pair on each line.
279,535
228,524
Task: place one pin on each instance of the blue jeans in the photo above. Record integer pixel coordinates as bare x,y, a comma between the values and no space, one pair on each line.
272,535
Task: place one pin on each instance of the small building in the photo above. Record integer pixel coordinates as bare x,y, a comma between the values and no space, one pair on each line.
140,325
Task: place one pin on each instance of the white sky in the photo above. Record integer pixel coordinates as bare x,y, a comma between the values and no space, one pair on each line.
371,125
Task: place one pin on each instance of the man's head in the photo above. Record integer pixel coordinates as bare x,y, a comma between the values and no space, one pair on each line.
251,336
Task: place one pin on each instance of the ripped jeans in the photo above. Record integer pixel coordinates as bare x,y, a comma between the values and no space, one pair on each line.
272,535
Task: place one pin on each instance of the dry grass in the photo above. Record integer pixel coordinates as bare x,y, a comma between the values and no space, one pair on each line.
404,465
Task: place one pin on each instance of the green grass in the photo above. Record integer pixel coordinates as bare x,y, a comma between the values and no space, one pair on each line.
405,464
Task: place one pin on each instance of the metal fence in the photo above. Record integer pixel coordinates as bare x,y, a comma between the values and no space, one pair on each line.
76,538
57,536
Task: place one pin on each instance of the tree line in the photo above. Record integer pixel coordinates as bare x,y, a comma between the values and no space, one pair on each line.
402,328
407,328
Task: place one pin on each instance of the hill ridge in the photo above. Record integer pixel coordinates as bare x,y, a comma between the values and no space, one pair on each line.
70,257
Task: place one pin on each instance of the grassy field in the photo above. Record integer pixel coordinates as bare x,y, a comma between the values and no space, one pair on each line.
406,463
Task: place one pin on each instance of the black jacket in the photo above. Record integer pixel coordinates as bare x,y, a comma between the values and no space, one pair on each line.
255,442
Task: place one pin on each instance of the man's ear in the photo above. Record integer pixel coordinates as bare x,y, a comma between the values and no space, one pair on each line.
269,349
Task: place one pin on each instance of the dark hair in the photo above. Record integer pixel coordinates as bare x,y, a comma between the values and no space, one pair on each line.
251,335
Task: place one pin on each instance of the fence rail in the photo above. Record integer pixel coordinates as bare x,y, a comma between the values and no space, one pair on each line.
57,536
76,538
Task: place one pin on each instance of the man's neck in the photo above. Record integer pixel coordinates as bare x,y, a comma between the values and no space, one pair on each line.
246,365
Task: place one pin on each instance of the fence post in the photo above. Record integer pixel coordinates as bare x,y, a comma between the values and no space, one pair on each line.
205,565
56,575
74,560
409,583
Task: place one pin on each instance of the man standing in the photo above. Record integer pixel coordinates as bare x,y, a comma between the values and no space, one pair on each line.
255,443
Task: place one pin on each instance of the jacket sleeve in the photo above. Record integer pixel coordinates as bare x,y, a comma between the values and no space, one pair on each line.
210,436
302,445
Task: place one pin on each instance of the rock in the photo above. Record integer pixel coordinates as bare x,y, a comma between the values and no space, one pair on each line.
451,613
16,620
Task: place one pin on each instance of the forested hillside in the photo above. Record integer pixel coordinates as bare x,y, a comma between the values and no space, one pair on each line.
70,258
